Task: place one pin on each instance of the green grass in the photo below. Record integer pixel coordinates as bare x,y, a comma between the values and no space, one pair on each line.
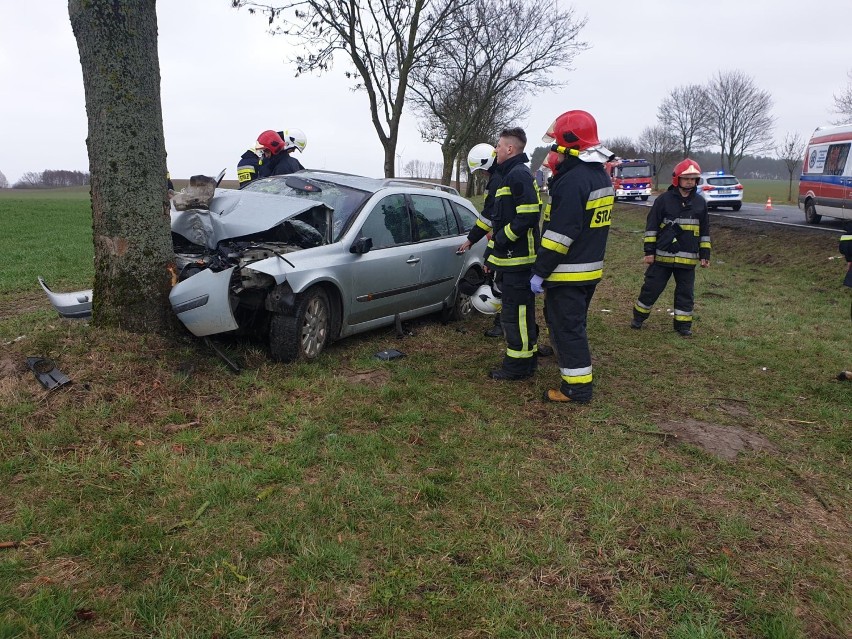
415,498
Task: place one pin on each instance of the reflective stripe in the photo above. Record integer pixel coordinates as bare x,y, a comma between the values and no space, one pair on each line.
704,245
601,193
680,312
546,214
640,308
519,354
687,221
684,254
511,261
650,240
676,260
509,233
704,238
586,276
576,375
845,238
556,247
530,242
600,202
522,325
683,318
650,234
503,190
578,268
527,208
559,238
491,243
483,226
691,227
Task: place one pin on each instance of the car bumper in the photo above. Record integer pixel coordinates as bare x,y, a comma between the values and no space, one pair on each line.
203,303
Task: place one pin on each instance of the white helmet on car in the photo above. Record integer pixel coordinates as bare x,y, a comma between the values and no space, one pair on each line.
485,301
295,139
481,157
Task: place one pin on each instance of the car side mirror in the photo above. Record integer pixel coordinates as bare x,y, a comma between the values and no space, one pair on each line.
361,245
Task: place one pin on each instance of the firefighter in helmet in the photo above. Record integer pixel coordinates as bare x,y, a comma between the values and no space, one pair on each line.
482,157
677,239
569,263
286,163
254,163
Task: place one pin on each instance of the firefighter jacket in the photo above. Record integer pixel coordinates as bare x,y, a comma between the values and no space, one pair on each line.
677,232
576,227
283,163
846,249
250,168
483,224
515,217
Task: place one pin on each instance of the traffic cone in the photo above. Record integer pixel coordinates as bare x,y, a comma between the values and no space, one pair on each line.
768,206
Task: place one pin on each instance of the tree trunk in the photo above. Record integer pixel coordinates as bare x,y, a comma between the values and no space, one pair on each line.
447,154
117,41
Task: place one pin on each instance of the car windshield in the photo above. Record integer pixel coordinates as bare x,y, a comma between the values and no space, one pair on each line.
723,181
343,200
635,171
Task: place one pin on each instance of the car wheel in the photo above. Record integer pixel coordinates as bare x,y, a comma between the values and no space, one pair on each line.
645,198
811,216
305,334
462,307
737,206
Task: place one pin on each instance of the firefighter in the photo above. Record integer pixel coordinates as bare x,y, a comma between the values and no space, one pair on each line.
677,238
846,249
254,163
515,239
569,263
285,163
481,157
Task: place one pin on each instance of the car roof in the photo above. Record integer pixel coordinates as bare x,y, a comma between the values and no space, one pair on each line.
372,185
710,174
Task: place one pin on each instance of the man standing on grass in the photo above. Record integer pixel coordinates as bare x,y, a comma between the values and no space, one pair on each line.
569,263
677,239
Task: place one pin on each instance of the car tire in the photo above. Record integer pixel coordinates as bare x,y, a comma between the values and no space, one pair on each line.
811,216
645,198
304,334
462,307
737,206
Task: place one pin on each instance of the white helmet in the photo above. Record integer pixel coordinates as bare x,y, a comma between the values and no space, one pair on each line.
481,157
485,301
295,138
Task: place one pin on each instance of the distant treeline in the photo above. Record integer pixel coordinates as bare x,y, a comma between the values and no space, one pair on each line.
51,179
751,167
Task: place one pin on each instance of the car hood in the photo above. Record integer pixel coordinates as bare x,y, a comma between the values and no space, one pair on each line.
234,214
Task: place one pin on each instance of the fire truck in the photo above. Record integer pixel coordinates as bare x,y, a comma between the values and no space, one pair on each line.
631,178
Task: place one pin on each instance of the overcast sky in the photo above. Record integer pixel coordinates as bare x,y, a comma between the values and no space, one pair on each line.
798,51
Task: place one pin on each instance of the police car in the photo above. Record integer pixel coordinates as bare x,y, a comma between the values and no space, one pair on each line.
721,189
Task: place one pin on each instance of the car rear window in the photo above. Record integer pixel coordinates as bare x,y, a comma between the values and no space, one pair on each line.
723,181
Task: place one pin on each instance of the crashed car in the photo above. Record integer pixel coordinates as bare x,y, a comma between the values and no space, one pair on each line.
312,257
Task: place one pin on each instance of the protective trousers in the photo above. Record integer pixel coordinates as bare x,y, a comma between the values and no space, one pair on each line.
656,278
519,327
566,308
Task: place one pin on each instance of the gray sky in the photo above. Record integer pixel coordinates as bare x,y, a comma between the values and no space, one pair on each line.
798,51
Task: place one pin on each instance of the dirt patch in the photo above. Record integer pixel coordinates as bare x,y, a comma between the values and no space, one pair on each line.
377,377
725,442
10,367
734,409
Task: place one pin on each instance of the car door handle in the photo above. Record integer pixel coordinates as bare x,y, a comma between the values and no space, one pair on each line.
412,260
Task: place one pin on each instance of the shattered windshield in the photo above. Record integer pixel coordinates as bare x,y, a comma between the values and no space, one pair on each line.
343,200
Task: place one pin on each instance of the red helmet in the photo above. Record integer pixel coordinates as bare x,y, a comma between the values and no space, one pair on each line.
271,141
685,168
573,130
552,159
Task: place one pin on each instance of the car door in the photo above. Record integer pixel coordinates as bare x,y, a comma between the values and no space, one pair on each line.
385,279
437,233
833,188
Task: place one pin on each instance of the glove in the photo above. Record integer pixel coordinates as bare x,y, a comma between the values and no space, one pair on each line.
535,284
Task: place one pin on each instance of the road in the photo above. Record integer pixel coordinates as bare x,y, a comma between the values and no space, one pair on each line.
780,214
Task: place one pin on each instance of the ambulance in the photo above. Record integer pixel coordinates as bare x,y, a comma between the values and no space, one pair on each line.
825,187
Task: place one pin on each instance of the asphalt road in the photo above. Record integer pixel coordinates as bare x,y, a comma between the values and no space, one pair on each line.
780,214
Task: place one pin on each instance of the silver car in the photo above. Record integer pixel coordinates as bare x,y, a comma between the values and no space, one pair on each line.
308,258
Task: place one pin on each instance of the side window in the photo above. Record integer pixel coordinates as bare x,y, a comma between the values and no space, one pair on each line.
835,159
430,217
466,217
389,223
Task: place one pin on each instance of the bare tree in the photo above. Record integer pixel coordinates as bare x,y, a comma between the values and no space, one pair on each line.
117,41
29,180
658,144
4,183
494,53
740,118
622,146
792,152
843,102
385,40
684,112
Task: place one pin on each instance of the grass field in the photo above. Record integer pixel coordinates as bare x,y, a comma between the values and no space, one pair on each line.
160,495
